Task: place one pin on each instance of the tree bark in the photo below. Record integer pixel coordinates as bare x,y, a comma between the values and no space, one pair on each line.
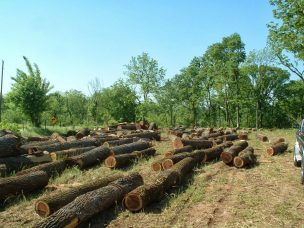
9,145
195,143
120,142
131,127
129,148
167,163
82,133
232,152
277,149
231,137
87,205
214,153
146,153
72,152
154,135
10,186
120,161
54,201
179,150
245,158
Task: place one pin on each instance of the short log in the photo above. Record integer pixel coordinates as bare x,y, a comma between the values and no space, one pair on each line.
277,149
245,158
228,155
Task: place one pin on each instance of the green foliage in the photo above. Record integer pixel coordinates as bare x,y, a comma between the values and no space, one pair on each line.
10,126
29,92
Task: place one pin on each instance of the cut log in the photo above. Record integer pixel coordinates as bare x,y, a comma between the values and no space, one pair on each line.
195,143
37,138
9,145
54,201
214,153
218,141
71,133
120,142
245,158
89,158
82,133
120,161
131,127
157,165
143,195
215,134
10,186
51,168
243,136
129,148
277,149
179,150
71,152
87,205
262,137
228,155
146,153
231,137
28,148
154,135
167,163
277,140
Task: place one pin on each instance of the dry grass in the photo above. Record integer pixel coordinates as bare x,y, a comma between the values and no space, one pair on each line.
269,194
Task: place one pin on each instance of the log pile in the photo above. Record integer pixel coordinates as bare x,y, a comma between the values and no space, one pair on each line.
153,135
228,155
130,147
195,143
245,158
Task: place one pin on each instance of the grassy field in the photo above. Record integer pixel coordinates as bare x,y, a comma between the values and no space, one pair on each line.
216,195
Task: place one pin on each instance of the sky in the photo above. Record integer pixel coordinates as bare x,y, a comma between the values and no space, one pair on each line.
73,42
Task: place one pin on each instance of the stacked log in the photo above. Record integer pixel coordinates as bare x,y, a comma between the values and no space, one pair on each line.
82,133
28,148
120,142
277,149
245,158
167,163
214,153
146,153
262,137
11,186
215,134
228,155
129,148
178,151
71,133
9,145
143,195
71,152
154,135
54,201
87,205
195,143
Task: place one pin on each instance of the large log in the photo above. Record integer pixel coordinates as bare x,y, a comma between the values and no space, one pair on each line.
228,155
146,153
9,145
214,153
215,134
51,168
129,148
71,152
231,137
52,202
82,133
245,158
167,163
243,136
277,148
130,127
89,158
154,135
89,204
143,195
195,143
10,186
120,142
29,147
262,137
178,150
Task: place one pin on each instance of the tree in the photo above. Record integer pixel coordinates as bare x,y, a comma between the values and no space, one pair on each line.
76,105
30,92
287,37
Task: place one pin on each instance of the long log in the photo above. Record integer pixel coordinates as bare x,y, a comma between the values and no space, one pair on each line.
195,143
87,205
277,149
228,155
215,152
52,202
215,134
146,153
245,158
71,152
130,127
129,148
9,145
10,186
178,150
143,195
167,163
29,147
262,137
154,135
51,168
89,158
231,137
120,142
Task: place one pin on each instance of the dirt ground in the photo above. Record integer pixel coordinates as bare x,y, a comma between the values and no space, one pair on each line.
215,195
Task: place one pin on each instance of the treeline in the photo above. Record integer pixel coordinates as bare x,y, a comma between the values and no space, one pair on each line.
224,86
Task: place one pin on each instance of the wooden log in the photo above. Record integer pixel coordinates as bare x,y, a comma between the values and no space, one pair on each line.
157,165
89,158
146,153
52,202
51,168
245,158
167,163
129,148
37,138
89,204
82,133
10,186
214,153
120,142
154,135
119,161
215,134
262,137
195,143
218,141
71,152
178,150
277,140
9,145
28,147
277,149
228,155
243,136
131,127
143,195
71,133
231,137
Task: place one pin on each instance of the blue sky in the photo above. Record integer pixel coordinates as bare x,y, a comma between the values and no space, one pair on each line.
75,41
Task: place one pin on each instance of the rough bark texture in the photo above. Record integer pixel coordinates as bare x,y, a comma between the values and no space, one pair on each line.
91,203
243,136
51,168
216,134
16,163
277,149
54,201
130,127
179,150
129,148
9,145
214,153
231,137
195,143
72,152
245,158
228,155
29,147
10,186
167,163
89,158
262,137
146,153
120,142
120,161
82,133
154,135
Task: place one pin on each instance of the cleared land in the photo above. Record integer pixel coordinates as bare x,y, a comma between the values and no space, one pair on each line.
268,194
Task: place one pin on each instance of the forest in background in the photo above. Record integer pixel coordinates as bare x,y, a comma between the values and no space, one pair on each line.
225,86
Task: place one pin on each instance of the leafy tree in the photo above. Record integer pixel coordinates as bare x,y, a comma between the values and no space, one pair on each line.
76,106
30,92
287,36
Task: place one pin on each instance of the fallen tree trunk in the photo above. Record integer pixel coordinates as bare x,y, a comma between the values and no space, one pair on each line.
215,152
71,152
91,203
89,158
143,195
195,143
146,153
10,186
154,135
51,168
178,151
228,156
28,148
120,142
9,145
245,158
215,134
54,201
82,133
129,148
277,149
119,161
167,163
262,137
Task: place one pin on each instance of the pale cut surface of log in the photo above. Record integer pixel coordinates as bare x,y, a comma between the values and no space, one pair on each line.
228,155
245,158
